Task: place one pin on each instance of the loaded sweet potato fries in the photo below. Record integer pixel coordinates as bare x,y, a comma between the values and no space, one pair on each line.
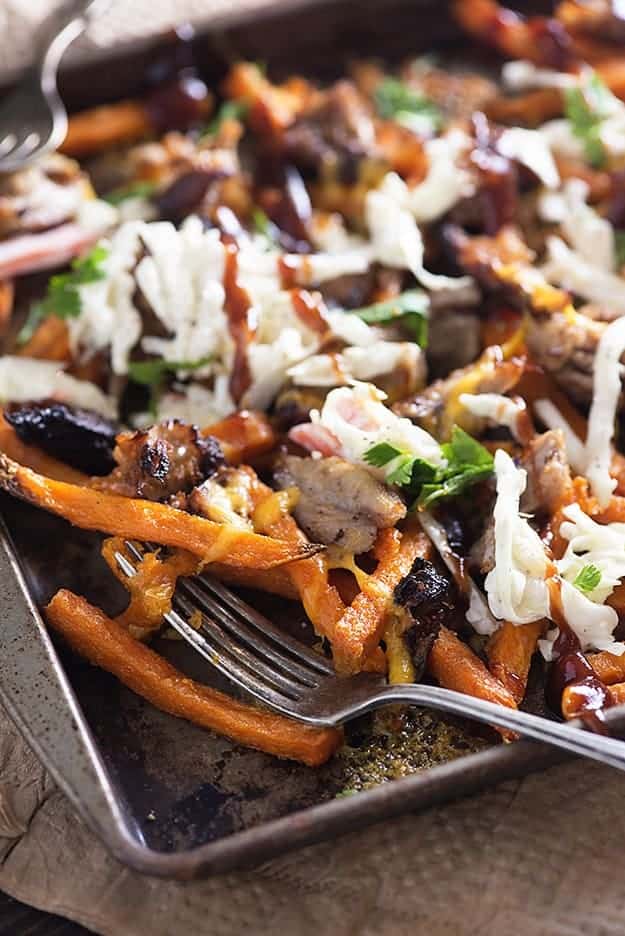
356,345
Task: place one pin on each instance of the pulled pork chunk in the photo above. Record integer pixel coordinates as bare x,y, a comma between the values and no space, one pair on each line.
335,133
437,409
78,437
428,597
549,482
41,196
339,503
226,497
483,256
453,340
162,461
564,344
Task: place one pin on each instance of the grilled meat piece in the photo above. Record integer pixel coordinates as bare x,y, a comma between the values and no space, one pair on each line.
548,474
337,132
79,437
428,598
41,196
437,408
453,340
339,503
481,256
156,463
565,347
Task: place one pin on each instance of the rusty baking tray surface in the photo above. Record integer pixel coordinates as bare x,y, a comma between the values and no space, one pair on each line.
166,797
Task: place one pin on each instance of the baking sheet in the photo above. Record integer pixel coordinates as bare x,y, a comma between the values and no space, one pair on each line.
167,797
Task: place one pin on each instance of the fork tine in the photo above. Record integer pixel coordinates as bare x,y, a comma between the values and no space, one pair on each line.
255,621
237,628
221,640
24,148
220,653
7,144
266,629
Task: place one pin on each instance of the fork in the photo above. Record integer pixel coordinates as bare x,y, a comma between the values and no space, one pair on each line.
33,119
292,679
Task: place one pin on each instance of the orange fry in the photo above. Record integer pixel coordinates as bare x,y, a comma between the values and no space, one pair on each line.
35,458
100,128
146,520
107,644
360,629
608,667
510,651
454,665
243,436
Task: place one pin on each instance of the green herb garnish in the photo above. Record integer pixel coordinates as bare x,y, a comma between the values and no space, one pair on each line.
396,100
153,373
409,309
587,578
63,296
229,110
134,190
586,107
467,463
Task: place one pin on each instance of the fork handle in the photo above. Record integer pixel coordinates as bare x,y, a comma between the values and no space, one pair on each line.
61,28
567,736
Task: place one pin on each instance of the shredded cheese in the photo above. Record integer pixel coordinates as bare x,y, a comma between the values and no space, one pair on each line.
570,269
24,379
531,149
550,415
358,419
495,407
606,392
516,586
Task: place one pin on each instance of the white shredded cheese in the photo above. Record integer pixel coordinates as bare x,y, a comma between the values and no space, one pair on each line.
24,379
530,148
589,543
445,183
606,392
495,407
361,364
516,586
193,404
590,235
572,271
521,75
592,623
358,418
396,238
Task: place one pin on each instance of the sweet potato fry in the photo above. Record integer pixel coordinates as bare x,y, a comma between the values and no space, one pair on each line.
243,436
510,651
49,342
108,644
454,665
617,693
7,293
277,581
100,128
152,588
145,520
33,457
531,109
608,667
360,629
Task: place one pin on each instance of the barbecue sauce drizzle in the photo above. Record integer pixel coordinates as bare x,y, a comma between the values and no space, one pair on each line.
241,320
571,670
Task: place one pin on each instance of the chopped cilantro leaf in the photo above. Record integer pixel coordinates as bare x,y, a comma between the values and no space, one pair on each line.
587,578
467,463
381,454
396,100
134,190
409,309
229,110
153,372
63,297
586,107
